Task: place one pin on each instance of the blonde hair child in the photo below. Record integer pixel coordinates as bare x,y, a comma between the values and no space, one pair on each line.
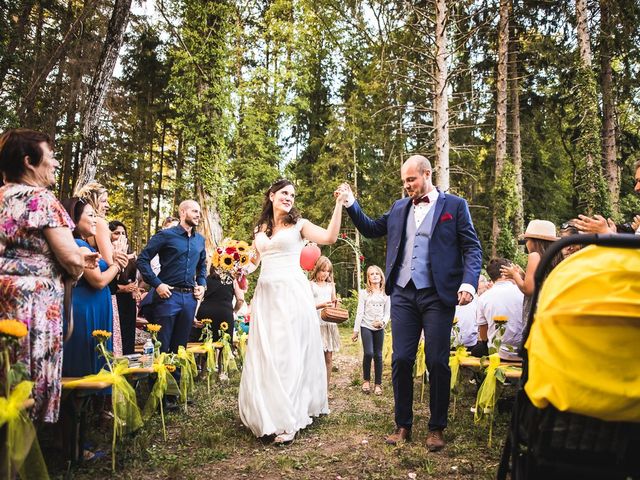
374,312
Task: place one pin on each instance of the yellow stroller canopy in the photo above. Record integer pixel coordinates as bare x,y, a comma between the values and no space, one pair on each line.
584,344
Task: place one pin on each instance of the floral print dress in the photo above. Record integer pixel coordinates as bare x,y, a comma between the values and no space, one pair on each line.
31,288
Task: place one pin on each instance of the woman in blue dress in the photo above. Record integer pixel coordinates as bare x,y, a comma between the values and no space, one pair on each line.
92,308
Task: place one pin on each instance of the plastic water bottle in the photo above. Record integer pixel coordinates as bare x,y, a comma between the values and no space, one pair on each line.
147,350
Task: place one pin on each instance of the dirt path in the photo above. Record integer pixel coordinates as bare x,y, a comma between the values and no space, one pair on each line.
210,441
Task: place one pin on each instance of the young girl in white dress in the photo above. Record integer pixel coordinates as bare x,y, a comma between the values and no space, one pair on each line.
324,293
374,311
283,379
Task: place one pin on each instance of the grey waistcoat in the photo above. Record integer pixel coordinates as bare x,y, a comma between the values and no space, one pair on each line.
415,259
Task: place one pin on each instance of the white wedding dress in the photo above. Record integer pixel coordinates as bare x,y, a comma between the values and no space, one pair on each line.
284,380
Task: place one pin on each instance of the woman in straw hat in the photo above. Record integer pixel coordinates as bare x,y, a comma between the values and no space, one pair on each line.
537,238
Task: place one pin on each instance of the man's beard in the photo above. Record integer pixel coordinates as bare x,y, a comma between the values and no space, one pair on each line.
190,222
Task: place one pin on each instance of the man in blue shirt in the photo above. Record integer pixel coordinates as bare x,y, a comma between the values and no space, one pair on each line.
182,278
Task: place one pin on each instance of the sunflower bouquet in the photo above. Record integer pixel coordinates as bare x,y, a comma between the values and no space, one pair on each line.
229,258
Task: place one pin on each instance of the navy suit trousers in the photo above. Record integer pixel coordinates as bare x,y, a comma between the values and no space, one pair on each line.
175,314
414,311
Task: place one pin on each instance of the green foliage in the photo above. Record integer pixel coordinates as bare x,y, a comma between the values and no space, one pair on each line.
217,99
593,196
629,206
350,302
200,85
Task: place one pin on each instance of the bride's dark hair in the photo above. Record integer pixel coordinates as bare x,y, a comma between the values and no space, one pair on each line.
266,215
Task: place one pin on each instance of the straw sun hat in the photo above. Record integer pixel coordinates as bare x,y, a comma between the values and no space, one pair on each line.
541,230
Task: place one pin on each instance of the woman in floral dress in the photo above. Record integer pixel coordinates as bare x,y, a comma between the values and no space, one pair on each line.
36,250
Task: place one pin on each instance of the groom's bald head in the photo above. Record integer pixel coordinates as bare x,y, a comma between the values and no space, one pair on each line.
416,176
420,162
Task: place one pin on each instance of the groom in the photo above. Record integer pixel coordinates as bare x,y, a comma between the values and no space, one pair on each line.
433,263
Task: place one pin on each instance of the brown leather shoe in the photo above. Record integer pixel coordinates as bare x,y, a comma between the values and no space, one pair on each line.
400,435
435,440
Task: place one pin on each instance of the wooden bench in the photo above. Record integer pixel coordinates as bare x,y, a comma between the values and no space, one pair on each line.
197,348
477,364
76,399
74,407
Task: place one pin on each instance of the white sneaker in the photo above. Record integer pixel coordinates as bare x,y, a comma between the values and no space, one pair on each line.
284,438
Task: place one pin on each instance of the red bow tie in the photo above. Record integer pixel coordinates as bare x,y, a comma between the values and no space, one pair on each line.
424,198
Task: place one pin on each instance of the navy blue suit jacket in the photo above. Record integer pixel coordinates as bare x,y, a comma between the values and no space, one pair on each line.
454,249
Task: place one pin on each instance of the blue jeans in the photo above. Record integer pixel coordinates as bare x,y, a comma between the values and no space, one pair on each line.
414,311
372,341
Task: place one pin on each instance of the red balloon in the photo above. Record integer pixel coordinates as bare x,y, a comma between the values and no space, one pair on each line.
308,257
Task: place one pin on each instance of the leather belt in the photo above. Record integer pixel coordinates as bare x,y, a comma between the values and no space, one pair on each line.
183,290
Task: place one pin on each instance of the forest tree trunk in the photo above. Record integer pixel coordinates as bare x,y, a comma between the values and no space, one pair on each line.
609,148
441,102
99,88
501,119
593,193
583,32
516,141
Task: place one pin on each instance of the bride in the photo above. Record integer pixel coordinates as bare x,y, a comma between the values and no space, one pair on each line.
283,381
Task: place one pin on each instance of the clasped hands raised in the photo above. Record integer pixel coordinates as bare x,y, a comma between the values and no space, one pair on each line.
342,193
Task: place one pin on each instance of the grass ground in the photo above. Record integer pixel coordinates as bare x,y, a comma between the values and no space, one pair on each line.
211,442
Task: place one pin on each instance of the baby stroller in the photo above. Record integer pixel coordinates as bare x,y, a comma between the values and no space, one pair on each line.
577,409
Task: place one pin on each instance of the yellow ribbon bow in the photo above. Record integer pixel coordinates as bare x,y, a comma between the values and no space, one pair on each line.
420,366
188,373
210,348
454,364
165,383
22,442
228,361
126,414
387,347
242,345
487,397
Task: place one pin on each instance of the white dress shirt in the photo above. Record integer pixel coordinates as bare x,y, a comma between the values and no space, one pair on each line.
421,209
468,329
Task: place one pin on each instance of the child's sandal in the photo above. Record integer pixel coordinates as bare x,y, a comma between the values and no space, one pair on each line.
366,387
377,390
